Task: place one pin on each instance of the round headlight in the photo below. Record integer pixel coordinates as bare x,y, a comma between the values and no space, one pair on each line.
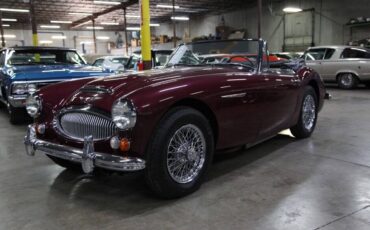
32,88
19,89
33,106
123,114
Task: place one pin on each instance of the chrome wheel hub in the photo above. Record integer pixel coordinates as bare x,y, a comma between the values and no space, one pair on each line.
346,79
186,154
309,112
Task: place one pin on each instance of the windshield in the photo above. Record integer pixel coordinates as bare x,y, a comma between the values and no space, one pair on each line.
44,57
120,60
233,52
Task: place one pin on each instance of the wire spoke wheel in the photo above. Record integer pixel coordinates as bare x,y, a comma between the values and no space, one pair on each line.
309,112
186,154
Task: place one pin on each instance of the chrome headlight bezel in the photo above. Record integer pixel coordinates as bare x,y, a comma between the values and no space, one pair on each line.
19,88
33,105
123,114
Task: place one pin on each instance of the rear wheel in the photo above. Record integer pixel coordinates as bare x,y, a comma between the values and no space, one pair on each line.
180,153
308,115
347,81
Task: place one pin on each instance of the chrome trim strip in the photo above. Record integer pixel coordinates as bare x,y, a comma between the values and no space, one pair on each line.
236,95
40,81
101,160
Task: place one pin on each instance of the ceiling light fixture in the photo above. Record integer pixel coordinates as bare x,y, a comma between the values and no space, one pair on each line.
167,6
110,23
45,42
9,20
80,13
14,10
180,18
133,28
58,37
50,26
132,16
102,37
8,36
61,22
154,24
6,25
292,9
96,27
106,2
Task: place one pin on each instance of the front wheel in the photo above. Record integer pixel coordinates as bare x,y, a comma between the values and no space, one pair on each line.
180,153
17,115
308,115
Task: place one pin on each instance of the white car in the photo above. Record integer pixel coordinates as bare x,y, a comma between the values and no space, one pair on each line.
346,65
112,63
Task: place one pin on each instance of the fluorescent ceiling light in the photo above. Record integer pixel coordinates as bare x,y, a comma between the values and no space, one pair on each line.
110,23
86,42
167,6
96,27
154,24
8,36
61,22
133,28
106,2
292,9
58,37
132,16
50,26
80,13
45,42
6,25
180,18
102,37
14,10
9,20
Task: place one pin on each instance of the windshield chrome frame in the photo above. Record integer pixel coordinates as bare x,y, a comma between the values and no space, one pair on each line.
262,49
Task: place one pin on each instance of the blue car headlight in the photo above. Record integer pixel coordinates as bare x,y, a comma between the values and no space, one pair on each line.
33,106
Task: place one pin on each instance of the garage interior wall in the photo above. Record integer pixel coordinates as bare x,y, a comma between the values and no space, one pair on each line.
330,19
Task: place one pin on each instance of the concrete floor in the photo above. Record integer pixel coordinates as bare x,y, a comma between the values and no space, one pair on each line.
318,183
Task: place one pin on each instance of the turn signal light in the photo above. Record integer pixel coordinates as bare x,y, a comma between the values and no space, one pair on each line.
40,128
124,145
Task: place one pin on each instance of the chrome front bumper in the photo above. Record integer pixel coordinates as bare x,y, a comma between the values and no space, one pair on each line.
17,101
87,157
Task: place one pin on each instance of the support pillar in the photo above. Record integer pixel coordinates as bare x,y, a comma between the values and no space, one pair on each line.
125,28
35,39
94,36
146,52
2,31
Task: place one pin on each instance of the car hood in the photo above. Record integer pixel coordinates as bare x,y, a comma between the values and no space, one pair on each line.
103,92
54,72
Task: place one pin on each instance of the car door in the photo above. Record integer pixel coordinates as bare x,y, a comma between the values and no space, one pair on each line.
279,101
328,65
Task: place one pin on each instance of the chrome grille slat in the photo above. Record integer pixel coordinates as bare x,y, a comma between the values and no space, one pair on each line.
78,124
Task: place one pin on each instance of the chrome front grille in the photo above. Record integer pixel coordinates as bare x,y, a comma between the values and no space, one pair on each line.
79,124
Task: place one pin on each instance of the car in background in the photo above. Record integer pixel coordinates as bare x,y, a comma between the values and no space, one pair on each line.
112,63
159,57
289,55
23,70
346,65
168,123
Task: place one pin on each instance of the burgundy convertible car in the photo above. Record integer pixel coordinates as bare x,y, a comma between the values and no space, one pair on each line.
169,122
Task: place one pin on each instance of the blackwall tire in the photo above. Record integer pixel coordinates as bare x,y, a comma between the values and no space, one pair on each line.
347,81
308,115
16,115
168,152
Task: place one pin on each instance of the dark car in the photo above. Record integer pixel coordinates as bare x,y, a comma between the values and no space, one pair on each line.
169,122
24,69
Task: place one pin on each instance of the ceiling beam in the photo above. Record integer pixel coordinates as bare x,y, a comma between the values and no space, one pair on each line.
106,11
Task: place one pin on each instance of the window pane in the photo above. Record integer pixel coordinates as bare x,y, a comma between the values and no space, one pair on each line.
355,53
329,53
315,54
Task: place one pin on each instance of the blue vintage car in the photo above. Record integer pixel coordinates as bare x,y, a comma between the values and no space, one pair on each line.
25,69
